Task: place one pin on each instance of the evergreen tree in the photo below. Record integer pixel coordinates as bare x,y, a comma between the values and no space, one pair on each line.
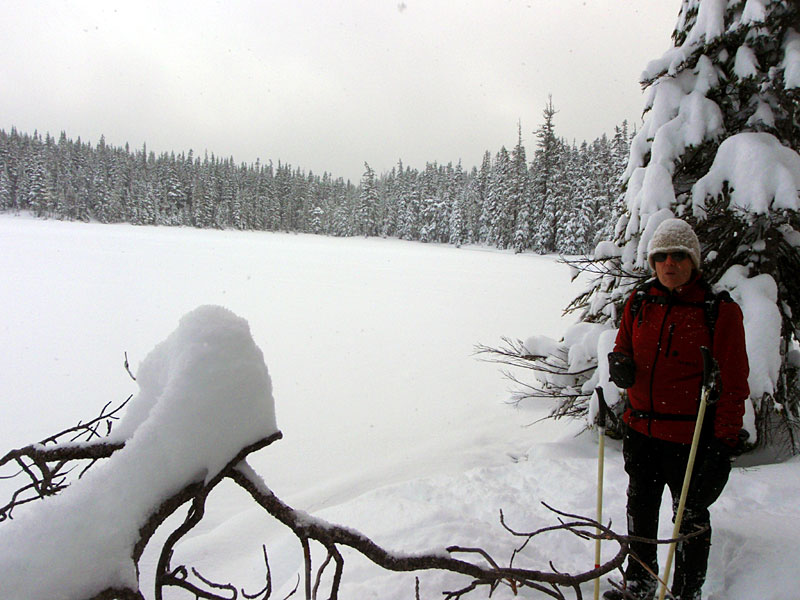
427,188
621,147
445,198
585,200
12,158
5,187
270,199
407,203
473,202
605,174
486,209
367,215
388,204
544,168
517,209
460,210
565,205
318,202
298,210
171,194
344,212
500,231
283,194
38,193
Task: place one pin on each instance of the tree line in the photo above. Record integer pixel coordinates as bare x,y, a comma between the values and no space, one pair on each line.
564,200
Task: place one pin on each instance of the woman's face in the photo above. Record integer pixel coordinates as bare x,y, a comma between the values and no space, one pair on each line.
674,270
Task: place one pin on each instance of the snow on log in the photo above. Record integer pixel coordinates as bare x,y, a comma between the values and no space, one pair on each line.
205,394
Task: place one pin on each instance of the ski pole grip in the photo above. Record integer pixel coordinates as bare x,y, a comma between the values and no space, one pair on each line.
709,368
602,407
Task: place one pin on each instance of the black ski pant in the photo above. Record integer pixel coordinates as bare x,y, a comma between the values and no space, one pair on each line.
651,465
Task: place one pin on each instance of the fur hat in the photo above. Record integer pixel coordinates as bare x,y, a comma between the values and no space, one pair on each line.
674,235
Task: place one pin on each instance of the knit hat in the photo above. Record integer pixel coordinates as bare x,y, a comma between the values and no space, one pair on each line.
674,235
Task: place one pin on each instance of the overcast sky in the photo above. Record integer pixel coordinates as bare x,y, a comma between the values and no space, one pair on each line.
327,85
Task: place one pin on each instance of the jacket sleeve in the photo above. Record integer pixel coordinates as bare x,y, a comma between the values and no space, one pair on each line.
624,341
730,352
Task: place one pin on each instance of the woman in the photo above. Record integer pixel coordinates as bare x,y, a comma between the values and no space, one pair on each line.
657,359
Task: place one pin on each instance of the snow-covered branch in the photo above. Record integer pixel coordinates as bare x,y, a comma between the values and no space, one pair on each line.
566,371
307,528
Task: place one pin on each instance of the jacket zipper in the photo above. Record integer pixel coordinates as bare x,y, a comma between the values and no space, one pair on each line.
655,362
669,338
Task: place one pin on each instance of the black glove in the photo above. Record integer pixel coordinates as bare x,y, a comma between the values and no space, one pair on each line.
741,445
711,471
718,451
621,369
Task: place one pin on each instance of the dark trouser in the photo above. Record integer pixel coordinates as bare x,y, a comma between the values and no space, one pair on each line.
651,464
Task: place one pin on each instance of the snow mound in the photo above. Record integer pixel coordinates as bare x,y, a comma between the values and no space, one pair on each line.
205,394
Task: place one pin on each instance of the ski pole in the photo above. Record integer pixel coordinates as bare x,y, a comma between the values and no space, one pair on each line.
601,428
709,375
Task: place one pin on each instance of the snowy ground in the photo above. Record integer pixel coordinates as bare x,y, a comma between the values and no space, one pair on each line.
391,425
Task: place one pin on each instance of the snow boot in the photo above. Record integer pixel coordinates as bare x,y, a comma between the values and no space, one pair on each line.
635,590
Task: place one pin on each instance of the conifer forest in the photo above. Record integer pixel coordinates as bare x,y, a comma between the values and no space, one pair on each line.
563,199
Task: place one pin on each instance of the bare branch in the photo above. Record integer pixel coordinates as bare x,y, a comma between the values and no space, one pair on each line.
179,578
481,551
48,463
267,589
82,427
128,367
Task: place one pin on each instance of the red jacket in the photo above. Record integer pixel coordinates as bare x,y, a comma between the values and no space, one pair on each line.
664,340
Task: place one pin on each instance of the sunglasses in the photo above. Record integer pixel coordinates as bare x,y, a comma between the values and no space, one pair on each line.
676,256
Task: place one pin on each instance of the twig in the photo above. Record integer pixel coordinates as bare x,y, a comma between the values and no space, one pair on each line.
267,589
128,367
48,463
